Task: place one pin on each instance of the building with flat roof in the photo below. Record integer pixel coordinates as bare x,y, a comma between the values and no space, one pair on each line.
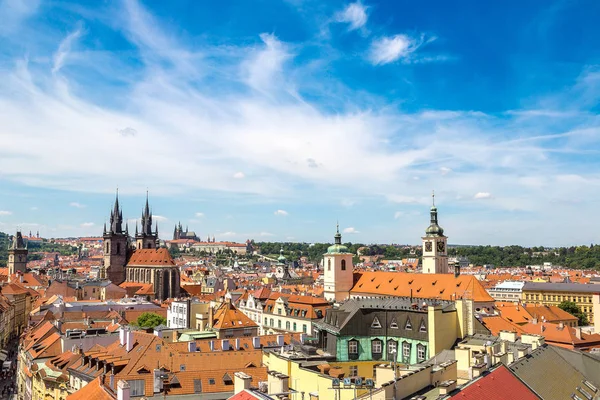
556,293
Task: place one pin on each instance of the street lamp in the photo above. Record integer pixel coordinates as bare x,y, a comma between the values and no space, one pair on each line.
393,352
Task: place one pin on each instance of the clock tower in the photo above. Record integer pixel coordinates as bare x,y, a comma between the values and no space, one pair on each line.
338,271
435,255
17,255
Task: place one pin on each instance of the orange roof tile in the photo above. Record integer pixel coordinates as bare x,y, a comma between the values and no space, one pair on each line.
430,286
228,317
151,257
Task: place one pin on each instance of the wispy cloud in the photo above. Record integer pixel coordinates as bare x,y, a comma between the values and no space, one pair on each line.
354,14
61,55
482,196
350,230
199,214
387,49
13,12
76,204
4,212
87,224
281,213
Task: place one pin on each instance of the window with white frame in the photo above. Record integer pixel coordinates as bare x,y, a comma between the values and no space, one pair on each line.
353,347
406,350
392,346
354,370
421,352
376,347
376,323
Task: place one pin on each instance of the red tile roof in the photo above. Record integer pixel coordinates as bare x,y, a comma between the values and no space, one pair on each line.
500,384
430,286
151,257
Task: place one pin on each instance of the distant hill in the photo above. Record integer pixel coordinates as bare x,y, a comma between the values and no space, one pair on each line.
34,249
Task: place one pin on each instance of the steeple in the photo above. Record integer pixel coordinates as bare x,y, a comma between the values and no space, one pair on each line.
434,229
17,242
116,217
338,235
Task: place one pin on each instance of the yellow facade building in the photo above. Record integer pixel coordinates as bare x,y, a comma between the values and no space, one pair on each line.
552,294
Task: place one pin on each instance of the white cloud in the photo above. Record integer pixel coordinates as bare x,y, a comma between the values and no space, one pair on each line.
76,204
239,175
13,12
199,214
350,230
282,213
228,234
398,214
263,70
355,14
482,196
4,212
87,224
389,49
265,234
445,170
159,218
61,55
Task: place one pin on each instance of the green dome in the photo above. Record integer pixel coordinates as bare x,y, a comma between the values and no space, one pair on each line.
337,248
281,259
434,229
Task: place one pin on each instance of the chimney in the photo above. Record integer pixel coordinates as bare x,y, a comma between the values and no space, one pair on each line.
191,346
561,326
122,335
210,317
122,390
225,345
241,381
456,274
578,333
129,340
280,340
237,344
21,278
256,342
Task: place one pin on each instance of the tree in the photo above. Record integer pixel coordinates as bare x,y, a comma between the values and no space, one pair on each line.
150,320
572,309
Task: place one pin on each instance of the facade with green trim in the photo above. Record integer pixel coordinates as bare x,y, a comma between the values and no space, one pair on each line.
387,329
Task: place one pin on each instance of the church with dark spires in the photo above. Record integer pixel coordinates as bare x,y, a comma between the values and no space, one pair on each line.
138,264
180,234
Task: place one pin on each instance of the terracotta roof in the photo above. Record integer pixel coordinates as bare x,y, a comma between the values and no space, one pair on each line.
151,257
549,313
228,317
430,286
515,313
93,390
493,386
497,323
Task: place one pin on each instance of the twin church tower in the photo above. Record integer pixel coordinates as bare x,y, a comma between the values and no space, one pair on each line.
338,267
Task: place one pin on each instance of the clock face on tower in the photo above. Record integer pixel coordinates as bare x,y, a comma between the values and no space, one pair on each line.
440,246
428,246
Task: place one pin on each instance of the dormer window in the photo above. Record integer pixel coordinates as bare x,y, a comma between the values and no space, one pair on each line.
394,324
422,328
408,325
376,323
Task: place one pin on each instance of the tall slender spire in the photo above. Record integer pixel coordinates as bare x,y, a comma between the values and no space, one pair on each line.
116,217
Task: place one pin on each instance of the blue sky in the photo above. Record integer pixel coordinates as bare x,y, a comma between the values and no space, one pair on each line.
273,119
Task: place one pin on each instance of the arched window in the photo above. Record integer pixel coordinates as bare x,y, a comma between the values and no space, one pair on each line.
343,265
329,265
287,325
118,248
106,251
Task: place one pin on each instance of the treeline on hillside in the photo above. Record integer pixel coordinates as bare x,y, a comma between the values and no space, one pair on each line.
587,257
35,249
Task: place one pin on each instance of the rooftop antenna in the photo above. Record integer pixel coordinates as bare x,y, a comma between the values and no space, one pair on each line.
433,197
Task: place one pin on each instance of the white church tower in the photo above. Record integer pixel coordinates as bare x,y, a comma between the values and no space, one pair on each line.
338,271
435,256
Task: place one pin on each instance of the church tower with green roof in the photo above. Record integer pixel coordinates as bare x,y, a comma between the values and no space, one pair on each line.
435,253
337,271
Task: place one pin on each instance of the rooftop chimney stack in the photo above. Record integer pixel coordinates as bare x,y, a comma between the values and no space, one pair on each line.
122,390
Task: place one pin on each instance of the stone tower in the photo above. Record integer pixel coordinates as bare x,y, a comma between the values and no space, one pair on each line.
17,255
146,239
339,270
116,242
435,255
